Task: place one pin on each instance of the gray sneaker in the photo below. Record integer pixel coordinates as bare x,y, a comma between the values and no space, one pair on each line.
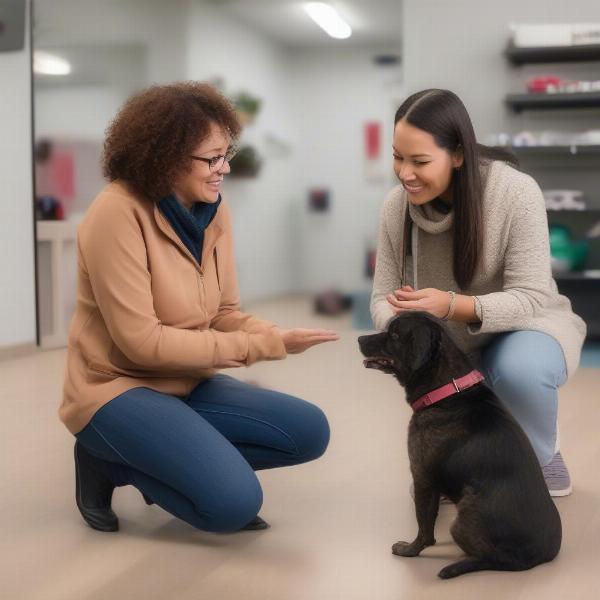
557,477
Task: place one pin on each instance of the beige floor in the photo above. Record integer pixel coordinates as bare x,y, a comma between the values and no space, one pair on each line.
333,521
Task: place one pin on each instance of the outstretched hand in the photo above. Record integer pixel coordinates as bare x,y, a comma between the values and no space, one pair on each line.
298,340
431,300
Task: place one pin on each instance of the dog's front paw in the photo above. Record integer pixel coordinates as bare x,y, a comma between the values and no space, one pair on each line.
407,549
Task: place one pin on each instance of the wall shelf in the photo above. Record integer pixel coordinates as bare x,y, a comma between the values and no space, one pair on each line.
520,102
591,274
552,54
573,211
562,151
583,290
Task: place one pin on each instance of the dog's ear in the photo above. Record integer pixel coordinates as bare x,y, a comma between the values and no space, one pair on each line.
424,346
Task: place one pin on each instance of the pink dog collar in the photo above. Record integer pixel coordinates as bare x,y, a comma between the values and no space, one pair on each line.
457,385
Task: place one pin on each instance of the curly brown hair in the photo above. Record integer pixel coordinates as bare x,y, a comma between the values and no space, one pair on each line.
148,144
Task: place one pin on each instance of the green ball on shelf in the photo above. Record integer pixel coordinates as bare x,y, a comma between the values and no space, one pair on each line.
567,254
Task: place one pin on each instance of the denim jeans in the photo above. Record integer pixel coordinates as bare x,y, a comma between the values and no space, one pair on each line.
525,369
196,456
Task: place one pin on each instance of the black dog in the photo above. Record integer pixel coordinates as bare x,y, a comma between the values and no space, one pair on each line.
469,448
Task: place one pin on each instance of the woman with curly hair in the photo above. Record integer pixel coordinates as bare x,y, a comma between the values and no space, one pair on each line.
158,314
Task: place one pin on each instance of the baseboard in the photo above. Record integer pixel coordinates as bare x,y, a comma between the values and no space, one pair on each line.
17,350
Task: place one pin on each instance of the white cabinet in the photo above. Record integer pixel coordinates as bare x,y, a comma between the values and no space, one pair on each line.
57,280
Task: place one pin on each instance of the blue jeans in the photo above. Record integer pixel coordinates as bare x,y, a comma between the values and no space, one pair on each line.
196,456
525,369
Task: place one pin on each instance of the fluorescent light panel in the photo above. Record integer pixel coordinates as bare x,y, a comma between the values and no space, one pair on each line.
328,19
45,63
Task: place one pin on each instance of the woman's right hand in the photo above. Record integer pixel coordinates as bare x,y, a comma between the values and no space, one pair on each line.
298,340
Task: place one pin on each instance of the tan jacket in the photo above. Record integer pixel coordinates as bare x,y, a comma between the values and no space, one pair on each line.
147,315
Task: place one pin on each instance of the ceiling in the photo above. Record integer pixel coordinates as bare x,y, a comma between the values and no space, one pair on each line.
374,22
103,42
64,22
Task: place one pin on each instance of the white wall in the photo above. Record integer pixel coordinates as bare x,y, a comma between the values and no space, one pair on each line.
221,48
78,112
334,93
17,287
315,102
116,48
188,39
158,25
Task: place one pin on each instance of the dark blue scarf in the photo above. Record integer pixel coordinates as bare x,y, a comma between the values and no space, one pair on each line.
189,224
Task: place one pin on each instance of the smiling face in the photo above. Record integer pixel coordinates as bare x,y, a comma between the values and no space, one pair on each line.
423,167
200,184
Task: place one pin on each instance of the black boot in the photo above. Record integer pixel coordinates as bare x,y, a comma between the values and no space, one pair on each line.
256,524
93,491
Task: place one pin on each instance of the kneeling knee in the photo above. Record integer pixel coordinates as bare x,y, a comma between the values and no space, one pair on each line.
233,510
520,375
315,438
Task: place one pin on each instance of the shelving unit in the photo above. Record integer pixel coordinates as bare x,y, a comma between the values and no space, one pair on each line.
588,211
563,151
581,287
592,274
519,102
583,292
552,54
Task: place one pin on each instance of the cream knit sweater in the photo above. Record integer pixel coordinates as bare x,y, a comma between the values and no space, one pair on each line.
513,279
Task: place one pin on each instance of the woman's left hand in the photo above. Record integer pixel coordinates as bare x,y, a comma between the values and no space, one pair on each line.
431,300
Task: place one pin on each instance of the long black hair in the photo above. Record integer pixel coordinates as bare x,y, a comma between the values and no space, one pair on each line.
442,114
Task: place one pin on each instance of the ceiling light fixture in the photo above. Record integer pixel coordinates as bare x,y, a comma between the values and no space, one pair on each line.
328,19
45,63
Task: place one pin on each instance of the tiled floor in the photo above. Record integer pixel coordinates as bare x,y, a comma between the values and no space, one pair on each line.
333,521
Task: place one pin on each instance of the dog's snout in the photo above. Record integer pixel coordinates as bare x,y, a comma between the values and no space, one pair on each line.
365,343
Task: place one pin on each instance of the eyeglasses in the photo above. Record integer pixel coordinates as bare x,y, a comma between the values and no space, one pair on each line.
216,162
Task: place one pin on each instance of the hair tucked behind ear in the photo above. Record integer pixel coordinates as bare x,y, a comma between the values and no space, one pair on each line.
442,114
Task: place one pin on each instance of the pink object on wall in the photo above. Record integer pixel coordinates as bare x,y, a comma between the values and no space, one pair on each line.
55,172
64,175
372,144
372,140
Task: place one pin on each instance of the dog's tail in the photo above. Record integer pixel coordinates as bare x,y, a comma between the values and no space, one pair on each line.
469,565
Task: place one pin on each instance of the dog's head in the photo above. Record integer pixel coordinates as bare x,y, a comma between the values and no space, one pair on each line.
410,345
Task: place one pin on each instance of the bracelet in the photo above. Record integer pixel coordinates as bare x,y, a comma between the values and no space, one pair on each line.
452,306
478,309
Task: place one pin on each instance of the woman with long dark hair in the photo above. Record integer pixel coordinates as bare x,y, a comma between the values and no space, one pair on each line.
465,238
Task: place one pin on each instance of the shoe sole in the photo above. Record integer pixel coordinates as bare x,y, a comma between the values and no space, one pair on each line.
561,493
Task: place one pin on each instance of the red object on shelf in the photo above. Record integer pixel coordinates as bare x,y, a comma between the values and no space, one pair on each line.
540,85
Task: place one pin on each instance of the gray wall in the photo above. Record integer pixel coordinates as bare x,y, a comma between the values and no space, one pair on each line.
335,92
459,45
